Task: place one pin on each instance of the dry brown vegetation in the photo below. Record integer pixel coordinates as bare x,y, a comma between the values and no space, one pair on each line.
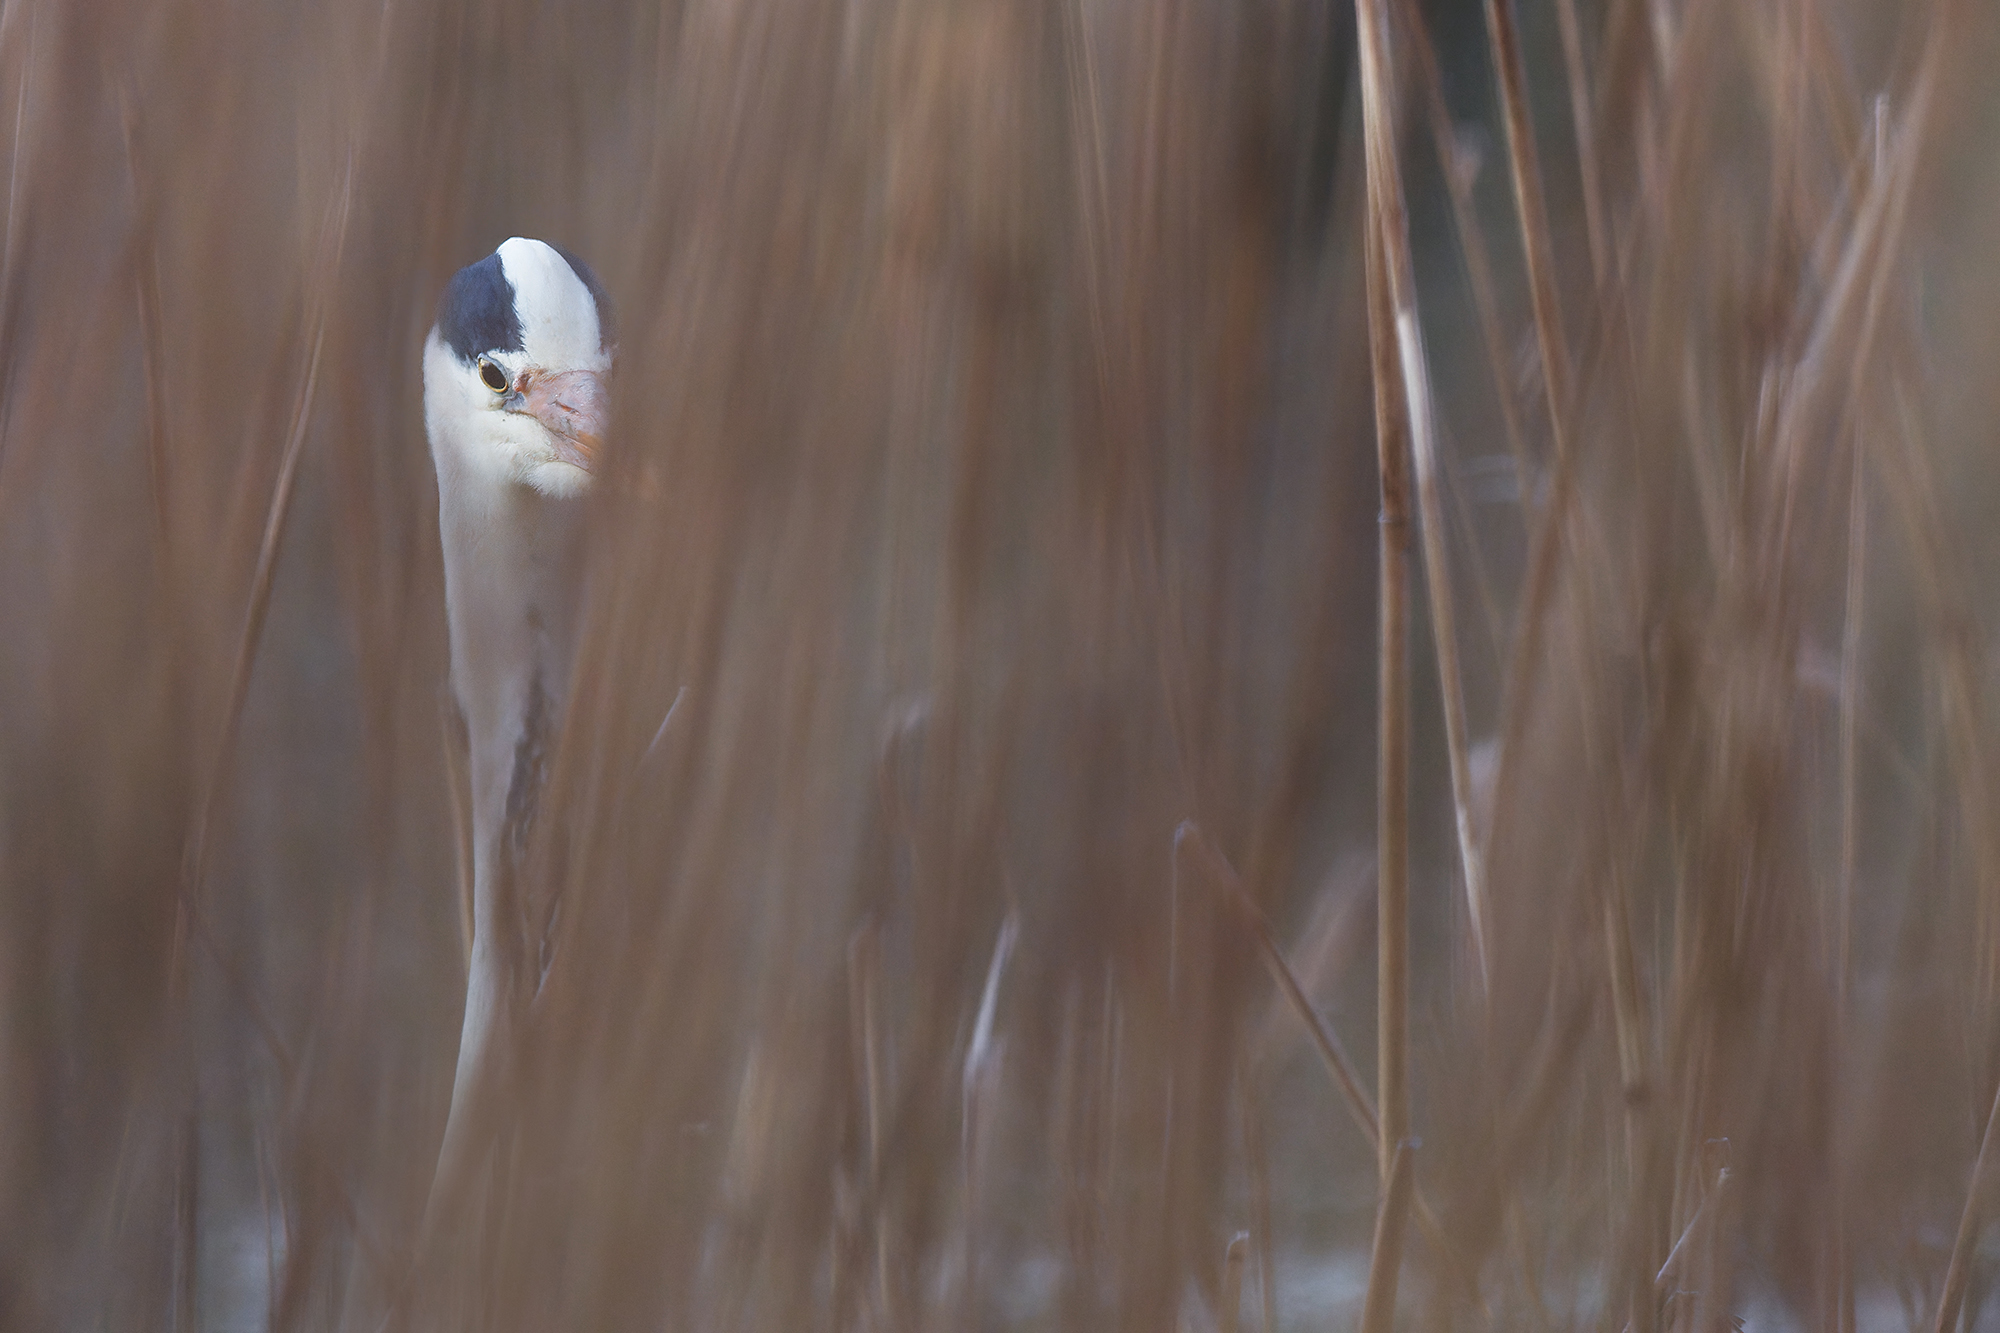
1094,874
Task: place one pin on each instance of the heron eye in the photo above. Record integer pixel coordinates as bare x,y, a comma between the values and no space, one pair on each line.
492,376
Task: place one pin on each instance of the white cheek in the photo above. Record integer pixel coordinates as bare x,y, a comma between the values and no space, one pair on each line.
557,480
489,450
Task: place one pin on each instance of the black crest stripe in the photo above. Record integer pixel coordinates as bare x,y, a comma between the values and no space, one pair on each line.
476,313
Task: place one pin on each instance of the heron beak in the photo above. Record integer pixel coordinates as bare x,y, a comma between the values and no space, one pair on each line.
574,405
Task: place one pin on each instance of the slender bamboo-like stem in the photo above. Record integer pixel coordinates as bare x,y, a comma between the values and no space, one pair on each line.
1586,141
1378,1312
187,1214
1850,682
1850,690
1390,217
1393,662
1524,164
1525,172
1393,760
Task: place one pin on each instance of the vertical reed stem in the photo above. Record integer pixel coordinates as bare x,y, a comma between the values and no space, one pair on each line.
1850,689
1393,739
1586,141
1393,664
1378,1311
1524,162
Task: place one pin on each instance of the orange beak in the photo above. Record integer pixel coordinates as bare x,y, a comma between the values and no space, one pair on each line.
573,404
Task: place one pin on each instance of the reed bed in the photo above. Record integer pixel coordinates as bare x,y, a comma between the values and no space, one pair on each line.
1144,544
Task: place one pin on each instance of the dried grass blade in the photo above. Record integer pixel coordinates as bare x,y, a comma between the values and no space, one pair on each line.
1332,1054
1232,1281
864,1018
1471,236
977,1078
1952,1299
1672,1262
1189,837
1389,216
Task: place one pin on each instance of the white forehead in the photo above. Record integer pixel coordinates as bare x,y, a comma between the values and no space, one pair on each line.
557,312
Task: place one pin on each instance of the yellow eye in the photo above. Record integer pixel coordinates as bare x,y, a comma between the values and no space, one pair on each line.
492,376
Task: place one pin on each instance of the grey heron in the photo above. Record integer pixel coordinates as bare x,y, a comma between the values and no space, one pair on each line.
516,380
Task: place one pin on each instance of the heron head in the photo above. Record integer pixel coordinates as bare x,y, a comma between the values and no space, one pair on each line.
517,368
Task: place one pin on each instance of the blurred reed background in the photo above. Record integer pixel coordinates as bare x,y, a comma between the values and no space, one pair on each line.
984,938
